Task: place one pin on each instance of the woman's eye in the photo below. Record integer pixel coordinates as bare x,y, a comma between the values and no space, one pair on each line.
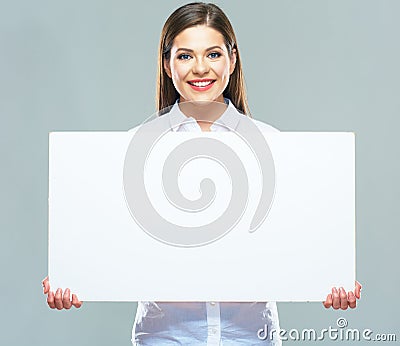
184,57
214,55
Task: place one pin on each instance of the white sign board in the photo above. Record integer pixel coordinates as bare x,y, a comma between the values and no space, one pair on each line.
304,246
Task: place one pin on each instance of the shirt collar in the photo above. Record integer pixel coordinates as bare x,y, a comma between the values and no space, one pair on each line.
229,119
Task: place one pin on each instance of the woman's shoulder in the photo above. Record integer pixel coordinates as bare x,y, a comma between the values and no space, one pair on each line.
153,122
260,124
134,129
264,126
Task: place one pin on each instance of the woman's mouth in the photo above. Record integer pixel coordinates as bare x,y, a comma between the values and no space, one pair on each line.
201,84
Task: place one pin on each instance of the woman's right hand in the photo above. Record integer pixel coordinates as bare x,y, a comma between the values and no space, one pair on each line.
59,300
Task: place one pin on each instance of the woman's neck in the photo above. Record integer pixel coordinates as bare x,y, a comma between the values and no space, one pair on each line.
205,112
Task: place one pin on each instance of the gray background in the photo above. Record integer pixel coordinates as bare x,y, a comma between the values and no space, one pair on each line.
91,65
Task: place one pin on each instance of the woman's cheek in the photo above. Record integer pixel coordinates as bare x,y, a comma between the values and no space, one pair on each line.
222,70
180,75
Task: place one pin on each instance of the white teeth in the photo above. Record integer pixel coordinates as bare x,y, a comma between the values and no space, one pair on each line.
201,84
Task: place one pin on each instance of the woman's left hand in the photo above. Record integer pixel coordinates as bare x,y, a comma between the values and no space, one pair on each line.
339,299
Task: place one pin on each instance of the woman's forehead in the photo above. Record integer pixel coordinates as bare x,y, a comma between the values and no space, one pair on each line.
198,37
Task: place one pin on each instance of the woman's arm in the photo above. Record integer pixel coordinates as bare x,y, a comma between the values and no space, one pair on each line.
58,300
338,299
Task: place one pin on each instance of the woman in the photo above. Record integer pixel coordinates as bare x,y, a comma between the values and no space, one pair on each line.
199,62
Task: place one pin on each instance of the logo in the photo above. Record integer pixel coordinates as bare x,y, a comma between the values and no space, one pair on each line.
146,140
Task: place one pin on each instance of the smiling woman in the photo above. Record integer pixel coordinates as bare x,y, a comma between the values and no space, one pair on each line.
198,46
199,63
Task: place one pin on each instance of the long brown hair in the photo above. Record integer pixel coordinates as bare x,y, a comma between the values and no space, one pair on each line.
189,15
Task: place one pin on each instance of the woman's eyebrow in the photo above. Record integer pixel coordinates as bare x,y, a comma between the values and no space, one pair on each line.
191,50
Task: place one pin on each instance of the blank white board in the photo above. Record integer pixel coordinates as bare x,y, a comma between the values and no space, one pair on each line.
304,246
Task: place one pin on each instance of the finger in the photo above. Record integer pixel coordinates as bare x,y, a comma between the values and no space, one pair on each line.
46,285
58,299
335,298
75,302
352,300
344,304
328,302
357,291
50,300
67,299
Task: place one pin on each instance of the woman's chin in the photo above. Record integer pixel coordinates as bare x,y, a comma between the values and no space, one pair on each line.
200,100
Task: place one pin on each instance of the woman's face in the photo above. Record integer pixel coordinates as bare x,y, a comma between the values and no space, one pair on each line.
200,65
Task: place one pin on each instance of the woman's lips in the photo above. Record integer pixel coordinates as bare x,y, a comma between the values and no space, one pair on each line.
201,84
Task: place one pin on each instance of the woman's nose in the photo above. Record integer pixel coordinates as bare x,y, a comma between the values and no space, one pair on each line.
200,67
